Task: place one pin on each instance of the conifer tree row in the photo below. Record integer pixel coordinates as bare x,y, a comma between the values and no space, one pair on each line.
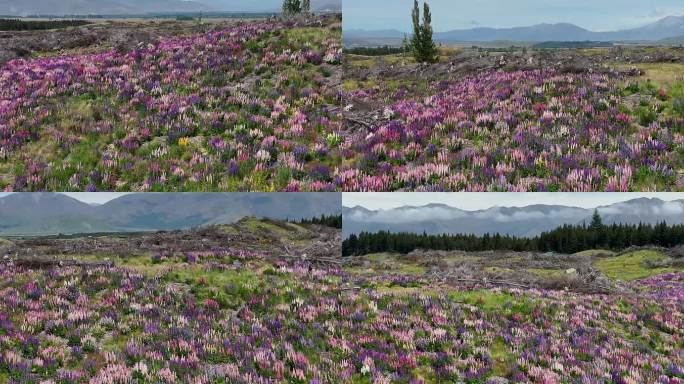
333,221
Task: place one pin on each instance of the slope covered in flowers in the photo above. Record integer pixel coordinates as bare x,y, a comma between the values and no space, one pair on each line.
244,108
530,130
224,318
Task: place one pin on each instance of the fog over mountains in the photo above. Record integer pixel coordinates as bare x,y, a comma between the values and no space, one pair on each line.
141,7
525,221
665,28
53,213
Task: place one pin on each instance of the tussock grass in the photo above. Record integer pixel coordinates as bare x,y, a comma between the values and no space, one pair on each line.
595,252
632,266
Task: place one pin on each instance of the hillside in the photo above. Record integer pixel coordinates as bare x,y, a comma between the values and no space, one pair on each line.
223,116
174,307
52,213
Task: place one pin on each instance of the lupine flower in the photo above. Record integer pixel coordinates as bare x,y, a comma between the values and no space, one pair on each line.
144,94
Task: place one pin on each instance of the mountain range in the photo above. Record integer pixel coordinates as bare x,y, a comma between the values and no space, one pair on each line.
141,7
663,29
523,221
53,213
270,5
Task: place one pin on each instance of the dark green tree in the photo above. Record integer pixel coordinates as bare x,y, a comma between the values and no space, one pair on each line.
350,246
422,44
416,41
596,222
429,48
406,45
306,6
292,7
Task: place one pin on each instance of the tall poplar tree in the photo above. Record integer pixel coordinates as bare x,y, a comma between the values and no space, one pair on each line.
422,44
292,7
416,41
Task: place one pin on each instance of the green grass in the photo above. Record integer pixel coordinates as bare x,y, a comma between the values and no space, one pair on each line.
632,266
286,229
363,63
349,85
594,252
230,288
227,229
502,359
425,374
388,262
304,36
378,257
118,342
484,299
409,269
140,263
547,272
662,74
404,291
459,259
399,58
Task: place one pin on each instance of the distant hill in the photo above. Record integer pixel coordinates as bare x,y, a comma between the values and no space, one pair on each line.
326,5
671,26
525,221
98,7
573,44
678,40
52,213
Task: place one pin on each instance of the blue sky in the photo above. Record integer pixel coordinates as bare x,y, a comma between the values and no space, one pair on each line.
595,15
476,201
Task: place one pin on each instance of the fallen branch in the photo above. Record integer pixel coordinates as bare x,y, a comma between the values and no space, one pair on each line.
494,282
306,258
37,263
350,289
360,122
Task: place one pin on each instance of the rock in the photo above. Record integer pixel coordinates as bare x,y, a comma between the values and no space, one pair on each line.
497,380
7,55
125,41
571,271
388,114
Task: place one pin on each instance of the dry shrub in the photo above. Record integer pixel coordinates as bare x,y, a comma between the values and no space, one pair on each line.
412,258
677,263
677,252
559,282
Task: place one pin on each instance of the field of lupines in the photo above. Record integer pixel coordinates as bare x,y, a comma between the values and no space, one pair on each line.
256,107
233,317
245,108
531,130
